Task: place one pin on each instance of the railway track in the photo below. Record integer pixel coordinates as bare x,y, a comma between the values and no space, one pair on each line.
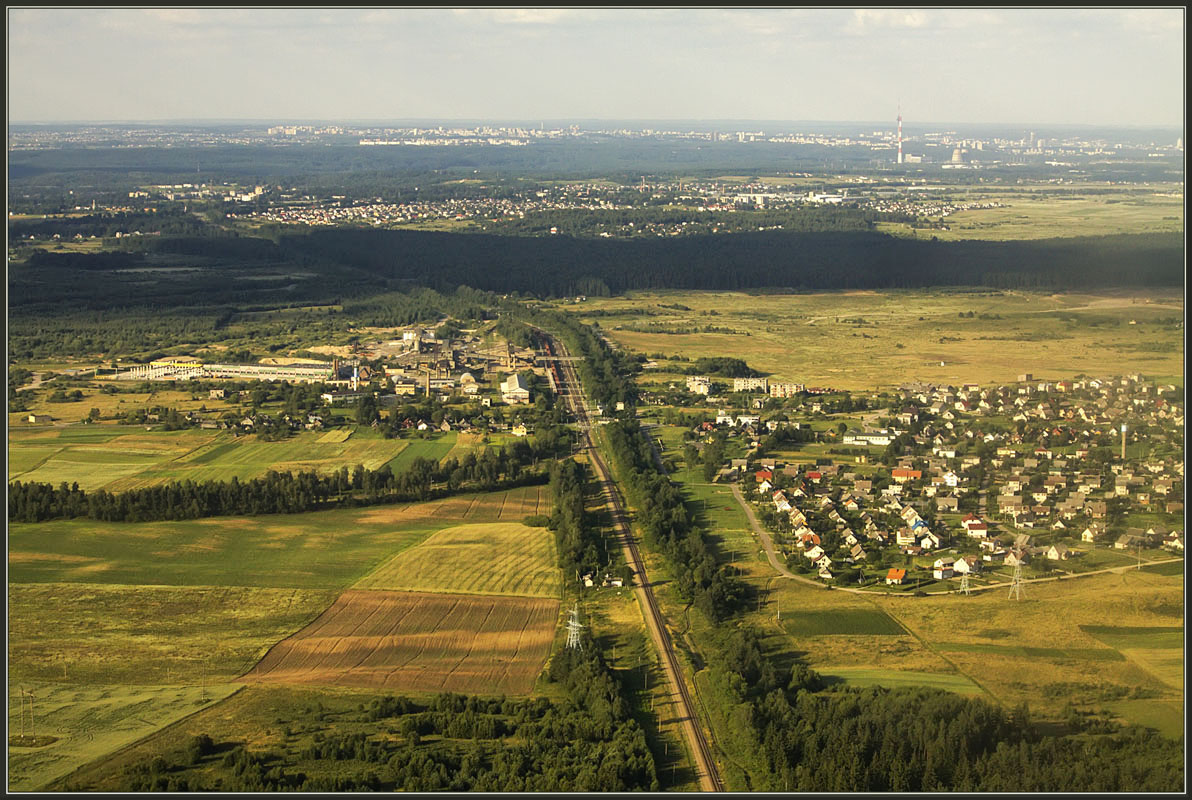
570,389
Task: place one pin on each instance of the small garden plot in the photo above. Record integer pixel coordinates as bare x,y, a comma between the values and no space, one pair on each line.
841,622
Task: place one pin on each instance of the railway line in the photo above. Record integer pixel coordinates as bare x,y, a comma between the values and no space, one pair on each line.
563,376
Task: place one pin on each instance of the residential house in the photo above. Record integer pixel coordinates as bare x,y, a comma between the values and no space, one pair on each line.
943,568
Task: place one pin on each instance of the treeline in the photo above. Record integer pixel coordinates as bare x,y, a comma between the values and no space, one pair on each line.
722,366
279,492
107,224
604,373
667,526
582,549
84,261
641,221
587,742
661,512
813,261
797,736
43,329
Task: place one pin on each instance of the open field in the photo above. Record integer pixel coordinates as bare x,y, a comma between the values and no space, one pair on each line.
92,721
865,339
284,550
423,642
505,558
435,448
110,405
110,610
895,679
122,458
1041,650
87,633
842,622
1030,214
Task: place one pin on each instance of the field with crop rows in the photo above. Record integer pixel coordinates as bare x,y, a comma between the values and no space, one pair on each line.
122,458
283,550
505,558
101,610
419,642
89,722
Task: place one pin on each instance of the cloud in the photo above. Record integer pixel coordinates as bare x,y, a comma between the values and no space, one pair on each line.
175,16
888,18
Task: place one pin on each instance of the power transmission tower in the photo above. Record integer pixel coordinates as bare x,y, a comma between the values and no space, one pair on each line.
964,583
1016,583
22,696
573,629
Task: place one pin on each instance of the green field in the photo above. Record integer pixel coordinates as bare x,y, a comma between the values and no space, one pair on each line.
93,721
100,610
1153,638
863,340
284,550
1168,568
1074,653
894,679
1165,716
1029,214
435,448
505,558
842,622
119,459
87,633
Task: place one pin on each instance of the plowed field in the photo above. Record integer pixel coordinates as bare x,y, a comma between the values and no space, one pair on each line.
418,642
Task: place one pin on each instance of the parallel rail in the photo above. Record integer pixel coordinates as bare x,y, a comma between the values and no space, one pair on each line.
570,389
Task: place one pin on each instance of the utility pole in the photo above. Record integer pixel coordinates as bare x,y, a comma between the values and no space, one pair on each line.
1016,583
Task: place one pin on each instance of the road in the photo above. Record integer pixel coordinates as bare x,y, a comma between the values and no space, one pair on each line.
772,555
571,391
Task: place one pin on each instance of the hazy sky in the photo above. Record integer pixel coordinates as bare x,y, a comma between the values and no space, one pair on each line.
1100,66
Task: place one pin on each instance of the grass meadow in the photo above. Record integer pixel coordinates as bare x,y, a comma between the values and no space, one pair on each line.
92,721
1029,214
865,340
121,608
1054,647
121,458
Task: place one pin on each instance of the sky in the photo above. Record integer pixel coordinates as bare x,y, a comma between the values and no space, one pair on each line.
1100,66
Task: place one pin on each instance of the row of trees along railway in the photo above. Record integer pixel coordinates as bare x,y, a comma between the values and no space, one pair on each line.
784,728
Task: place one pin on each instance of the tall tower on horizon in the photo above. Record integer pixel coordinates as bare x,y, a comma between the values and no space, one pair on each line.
900,133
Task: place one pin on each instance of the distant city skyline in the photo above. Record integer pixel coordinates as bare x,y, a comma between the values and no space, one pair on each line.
1103,67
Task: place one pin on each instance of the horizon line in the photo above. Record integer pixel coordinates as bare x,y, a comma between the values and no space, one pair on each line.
568,120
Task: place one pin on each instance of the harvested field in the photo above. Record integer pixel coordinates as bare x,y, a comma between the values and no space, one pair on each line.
418,642
480,507
492,558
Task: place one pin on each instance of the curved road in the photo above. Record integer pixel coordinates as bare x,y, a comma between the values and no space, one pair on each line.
572,391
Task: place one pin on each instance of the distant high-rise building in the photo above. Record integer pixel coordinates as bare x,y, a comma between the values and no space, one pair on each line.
900,133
